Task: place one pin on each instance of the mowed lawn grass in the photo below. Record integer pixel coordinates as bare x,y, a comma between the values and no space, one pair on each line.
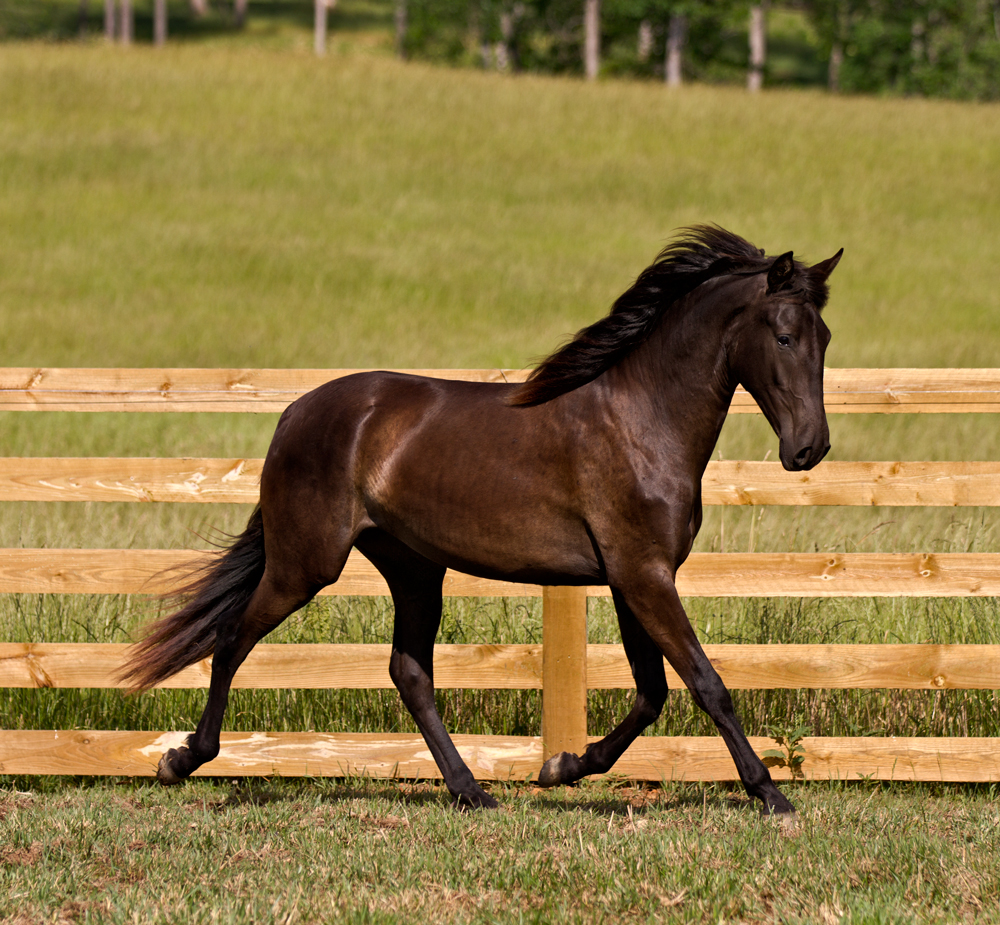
225,206
371,852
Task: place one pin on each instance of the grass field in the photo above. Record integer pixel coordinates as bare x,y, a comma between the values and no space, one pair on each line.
365,852
220,205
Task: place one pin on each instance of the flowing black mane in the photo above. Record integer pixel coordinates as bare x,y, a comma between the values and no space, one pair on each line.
701,253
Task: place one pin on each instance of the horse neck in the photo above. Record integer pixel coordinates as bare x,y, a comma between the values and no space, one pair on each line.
680,378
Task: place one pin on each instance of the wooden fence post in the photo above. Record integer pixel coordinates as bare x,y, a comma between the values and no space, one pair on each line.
564,670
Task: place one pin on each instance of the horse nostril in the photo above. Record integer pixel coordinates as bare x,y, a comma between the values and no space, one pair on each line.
802,457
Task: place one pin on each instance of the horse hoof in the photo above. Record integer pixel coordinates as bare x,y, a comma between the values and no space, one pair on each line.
478,799
788,820
164,773
563,768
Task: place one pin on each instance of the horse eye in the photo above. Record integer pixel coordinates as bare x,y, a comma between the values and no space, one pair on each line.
784,340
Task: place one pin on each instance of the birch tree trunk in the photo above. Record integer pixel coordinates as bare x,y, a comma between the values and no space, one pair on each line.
758,47
591,38
240,12
676,36
199,7
159,22
833,71
319,27
400,19
644,48
109,20
126,26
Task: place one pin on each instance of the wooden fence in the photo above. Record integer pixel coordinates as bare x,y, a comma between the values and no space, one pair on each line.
564,667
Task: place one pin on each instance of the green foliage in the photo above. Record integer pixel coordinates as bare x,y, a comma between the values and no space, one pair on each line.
947,48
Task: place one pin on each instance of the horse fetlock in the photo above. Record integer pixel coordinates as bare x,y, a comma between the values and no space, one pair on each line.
564,768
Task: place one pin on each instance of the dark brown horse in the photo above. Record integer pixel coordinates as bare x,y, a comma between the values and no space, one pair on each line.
588,473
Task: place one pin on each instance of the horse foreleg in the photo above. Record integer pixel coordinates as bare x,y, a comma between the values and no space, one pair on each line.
659,610
646,662
238,631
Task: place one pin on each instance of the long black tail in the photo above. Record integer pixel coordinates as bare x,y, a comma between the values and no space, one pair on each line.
186,636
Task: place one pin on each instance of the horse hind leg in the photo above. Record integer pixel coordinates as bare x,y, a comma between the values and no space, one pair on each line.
239,629
415,585
646,662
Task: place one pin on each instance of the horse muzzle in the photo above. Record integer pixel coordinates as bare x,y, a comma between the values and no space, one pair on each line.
799,457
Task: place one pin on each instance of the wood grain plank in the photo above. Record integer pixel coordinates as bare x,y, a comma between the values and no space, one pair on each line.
292,754
822,667
159,571
156,571
259,754
519,667
253,390
136,479
564,670
973,760
282,666
838,575
924,484
948,484
271,390
912,391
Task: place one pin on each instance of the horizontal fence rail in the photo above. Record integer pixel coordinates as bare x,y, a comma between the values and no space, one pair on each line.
317,666
707,574
564,667
270,390
726,482
312,754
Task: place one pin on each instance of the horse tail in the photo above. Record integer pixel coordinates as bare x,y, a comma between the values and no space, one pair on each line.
222,585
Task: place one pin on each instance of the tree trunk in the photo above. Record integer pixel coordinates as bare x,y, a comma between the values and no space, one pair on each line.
199,7
319,27
506,57
240,13
159,22
400,18
833,73
126,26
82,17
645,46
591,38
758,47
676,36
109,20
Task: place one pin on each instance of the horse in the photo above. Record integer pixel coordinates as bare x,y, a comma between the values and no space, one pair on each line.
587,473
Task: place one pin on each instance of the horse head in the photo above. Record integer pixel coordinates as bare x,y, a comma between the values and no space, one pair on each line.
777,356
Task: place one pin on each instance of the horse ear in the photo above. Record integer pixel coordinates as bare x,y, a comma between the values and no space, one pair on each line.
822,270
780,273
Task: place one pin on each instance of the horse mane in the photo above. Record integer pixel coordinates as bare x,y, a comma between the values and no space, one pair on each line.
700,253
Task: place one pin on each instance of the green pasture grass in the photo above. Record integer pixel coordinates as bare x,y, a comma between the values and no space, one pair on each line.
371,852
223,206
